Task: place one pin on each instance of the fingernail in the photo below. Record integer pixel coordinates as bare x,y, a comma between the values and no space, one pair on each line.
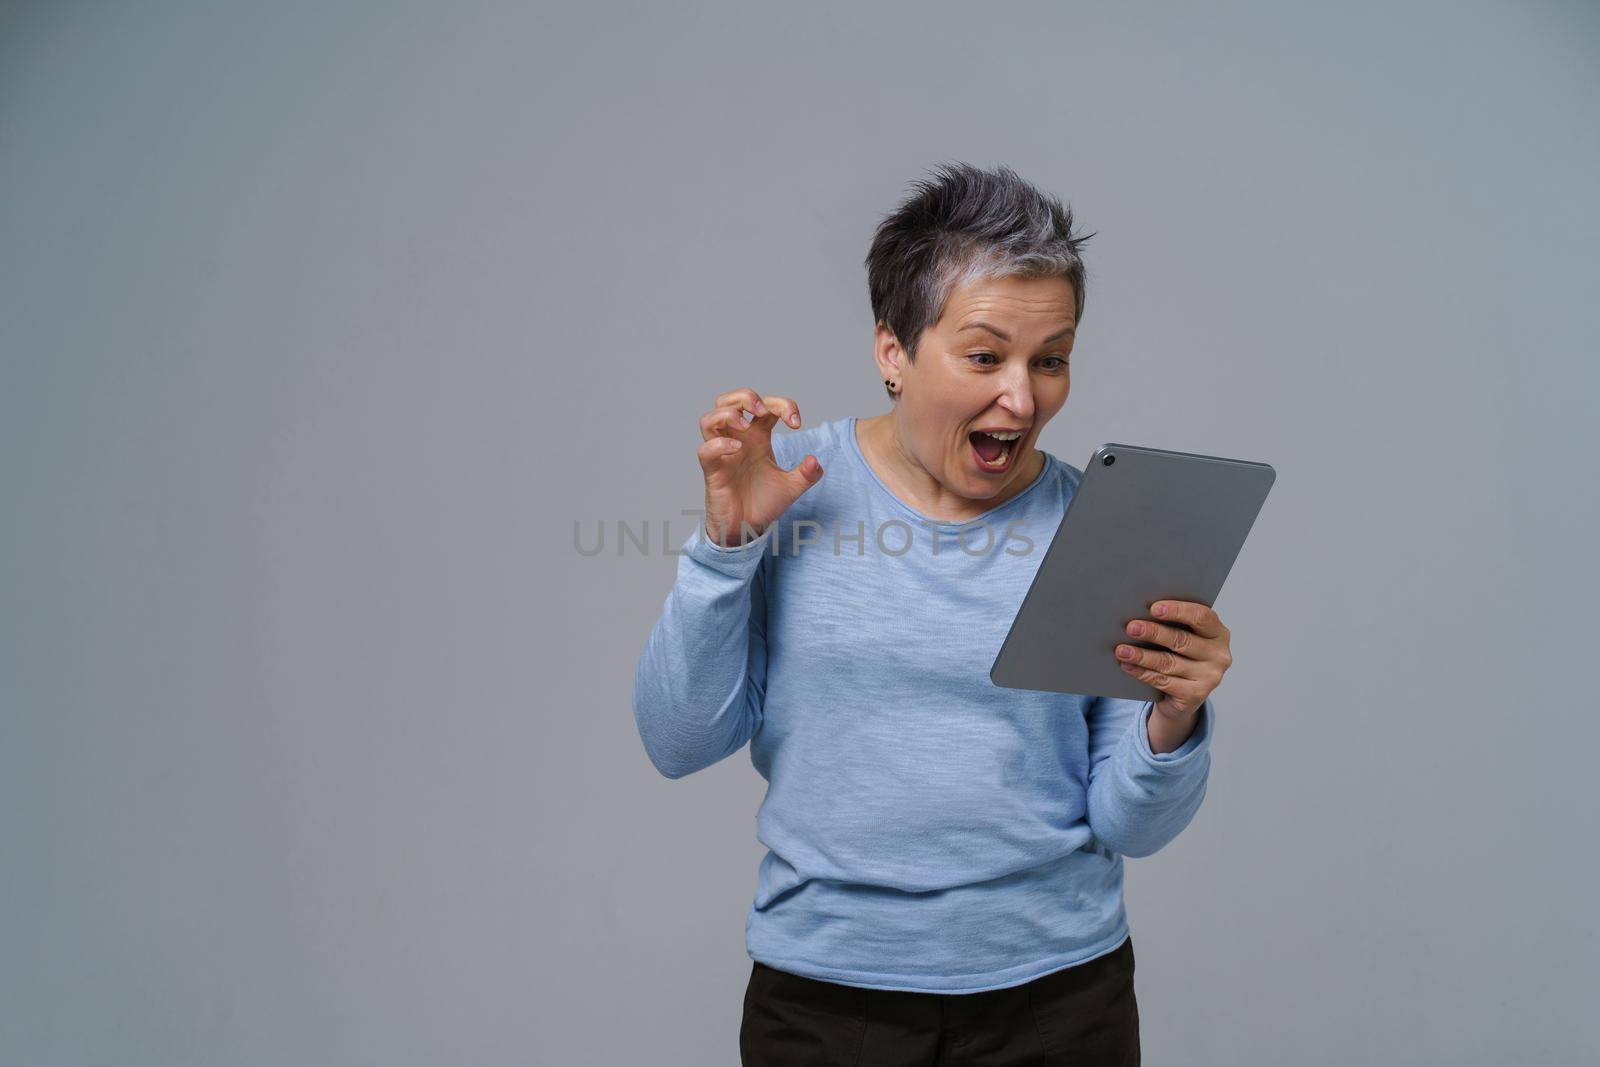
761,409
1137,629
1161,609
1124,651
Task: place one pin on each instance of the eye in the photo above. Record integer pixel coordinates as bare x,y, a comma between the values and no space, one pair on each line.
976,357
1054,362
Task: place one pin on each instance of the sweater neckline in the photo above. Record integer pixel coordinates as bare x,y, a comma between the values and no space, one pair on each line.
943,524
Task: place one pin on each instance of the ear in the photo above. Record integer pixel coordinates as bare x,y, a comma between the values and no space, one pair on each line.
886,350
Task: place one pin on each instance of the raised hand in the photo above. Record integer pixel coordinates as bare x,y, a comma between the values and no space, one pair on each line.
746,490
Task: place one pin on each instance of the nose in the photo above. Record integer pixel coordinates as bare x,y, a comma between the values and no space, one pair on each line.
1017,393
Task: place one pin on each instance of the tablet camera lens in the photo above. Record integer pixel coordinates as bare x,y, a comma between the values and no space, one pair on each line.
1109,459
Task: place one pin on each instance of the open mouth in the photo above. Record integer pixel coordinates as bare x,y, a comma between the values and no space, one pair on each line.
994,453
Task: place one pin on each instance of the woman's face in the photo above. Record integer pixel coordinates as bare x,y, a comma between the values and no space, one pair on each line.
997,360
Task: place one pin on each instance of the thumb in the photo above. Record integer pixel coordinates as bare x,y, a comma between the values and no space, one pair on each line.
807,472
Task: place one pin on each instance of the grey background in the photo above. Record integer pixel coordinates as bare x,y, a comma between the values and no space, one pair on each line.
323,324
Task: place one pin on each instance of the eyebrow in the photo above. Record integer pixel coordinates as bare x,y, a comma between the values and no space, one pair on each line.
1004,337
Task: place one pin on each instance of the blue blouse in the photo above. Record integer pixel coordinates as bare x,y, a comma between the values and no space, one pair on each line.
926,830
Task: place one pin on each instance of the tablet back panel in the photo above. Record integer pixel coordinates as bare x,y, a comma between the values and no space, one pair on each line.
1153,525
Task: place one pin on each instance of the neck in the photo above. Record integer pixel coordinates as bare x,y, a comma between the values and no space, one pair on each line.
884,444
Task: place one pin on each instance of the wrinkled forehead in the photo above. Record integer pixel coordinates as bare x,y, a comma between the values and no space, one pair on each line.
1012,308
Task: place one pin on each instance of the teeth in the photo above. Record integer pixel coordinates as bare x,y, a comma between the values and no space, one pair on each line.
1008,436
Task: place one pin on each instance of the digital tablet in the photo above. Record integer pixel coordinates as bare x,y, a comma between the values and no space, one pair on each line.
1144,525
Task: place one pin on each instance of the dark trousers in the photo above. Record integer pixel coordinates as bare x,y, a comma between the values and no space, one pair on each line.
1084,1015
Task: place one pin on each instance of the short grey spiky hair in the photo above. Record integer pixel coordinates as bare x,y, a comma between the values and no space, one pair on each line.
962,224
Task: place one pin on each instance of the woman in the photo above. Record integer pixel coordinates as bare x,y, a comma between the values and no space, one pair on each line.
944,871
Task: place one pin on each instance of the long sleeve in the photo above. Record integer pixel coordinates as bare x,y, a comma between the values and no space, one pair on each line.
1138,800
698,689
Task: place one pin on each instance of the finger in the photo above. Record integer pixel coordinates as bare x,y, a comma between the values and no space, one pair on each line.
1178,688
807,472
715,451
1156,661
723,422
1184,642
784,408
747,397
1198,617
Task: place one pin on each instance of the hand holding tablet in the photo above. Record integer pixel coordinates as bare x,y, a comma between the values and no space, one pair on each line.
1145,527
1194,654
